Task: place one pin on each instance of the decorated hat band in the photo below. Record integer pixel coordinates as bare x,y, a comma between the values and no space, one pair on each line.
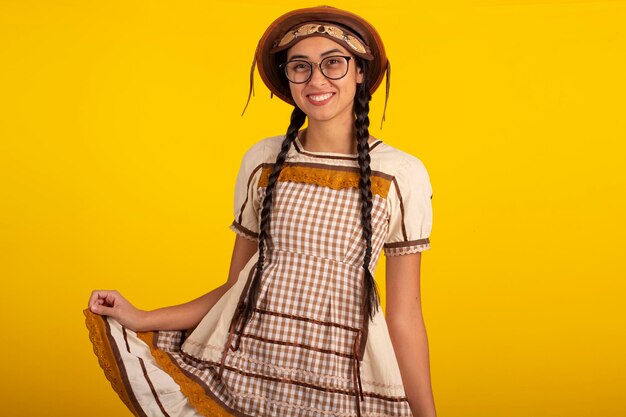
334,32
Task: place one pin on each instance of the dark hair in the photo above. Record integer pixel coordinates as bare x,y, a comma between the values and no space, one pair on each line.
361,109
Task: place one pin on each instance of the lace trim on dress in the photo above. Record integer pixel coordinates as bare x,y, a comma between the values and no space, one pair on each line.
195,394
406,248
331,178
106,358
243,232
290,371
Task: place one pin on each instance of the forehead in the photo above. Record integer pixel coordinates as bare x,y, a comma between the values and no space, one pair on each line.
314,47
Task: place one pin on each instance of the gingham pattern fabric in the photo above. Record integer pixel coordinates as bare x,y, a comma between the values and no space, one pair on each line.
409,202
296,355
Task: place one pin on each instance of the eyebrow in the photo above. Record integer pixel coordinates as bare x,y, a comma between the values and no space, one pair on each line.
330,51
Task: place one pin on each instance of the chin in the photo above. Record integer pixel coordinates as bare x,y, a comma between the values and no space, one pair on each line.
320,117
319,114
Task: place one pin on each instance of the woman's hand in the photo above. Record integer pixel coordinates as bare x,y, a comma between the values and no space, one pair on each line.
111,303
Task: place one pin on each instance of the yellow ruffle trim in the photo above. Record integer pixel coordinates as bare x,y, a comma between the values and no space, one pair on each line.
106,358
331,178
195,394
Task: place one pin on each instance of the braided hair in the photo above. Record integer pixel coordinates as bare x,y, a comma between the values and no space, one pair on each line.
362,98
361,109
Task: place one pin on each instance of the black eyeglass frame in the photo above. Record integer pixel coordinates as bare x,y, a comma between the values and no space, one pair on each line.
283,66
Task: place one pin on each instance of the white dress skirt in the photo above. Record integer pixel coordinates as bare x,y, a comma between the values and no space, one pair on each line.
308,350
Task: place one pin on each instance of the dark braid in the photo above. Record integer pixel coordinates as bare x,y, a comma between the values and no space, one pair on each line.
361,124
246,310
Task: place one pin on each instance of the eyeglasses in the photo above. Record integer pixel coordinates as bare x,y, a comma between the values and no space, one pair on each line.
299,71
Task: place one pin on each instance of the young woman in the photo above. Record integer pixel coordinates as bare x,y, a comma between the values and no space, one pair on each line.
297,329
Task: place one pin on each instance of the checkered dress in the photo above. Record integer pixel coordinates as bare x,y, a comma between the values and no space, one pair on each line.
308,349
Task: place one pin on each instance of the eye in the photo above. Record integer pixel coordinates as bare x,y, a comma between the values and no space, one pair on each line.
298,66
334,62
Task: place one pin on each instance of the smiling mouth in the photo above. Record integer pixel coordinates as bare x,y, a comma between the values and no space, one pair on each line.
320,99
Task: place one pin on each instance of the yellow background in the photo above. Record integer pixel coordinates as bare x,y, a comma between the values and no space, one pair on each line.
121,136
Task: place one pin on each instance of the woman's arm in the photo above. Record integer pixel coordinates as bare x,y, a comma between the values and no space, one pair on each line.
178,317
408,333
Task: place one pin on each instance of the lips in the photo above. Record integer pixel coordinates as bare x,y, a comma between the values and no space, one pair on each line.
319,99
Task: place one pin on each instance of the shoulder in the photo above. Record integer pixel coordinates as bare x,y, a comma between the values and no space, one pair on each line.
261,152
399,164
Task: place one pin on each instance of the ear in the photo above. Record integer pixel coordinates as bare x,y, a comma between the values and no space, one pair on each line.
359,75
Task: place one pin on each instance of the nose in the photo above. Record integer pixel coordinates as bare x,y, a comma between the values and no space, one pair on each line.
317,77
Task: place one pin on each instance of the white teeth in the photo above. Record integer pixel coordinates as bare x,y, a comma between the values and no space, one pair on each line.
322,97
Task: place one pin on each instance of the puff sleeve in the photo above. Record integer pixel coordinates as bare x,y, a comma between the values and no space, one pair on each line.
410,207
247,201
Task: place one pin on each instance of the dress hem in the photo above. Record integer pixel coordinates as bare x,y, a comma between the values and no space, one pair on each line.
202,400
110,361
107,355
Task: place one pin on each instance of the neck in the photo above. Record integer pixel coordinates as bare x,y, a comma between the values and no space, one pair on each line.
330,136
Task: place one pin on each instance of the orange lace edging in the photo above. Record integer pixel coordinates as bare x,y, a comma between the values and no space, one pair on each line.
334,179
106,358
195,394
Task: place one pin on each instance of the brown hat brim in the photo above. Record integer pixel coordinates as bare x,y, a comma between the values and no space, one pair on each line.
267,61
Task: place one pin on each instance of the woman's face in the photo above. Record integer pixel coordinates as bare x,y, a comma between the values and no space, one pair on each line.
320,98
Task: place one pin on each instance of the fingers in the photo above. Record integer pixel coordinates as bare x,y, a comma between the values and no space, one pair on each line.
102,297
95,297
103,310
